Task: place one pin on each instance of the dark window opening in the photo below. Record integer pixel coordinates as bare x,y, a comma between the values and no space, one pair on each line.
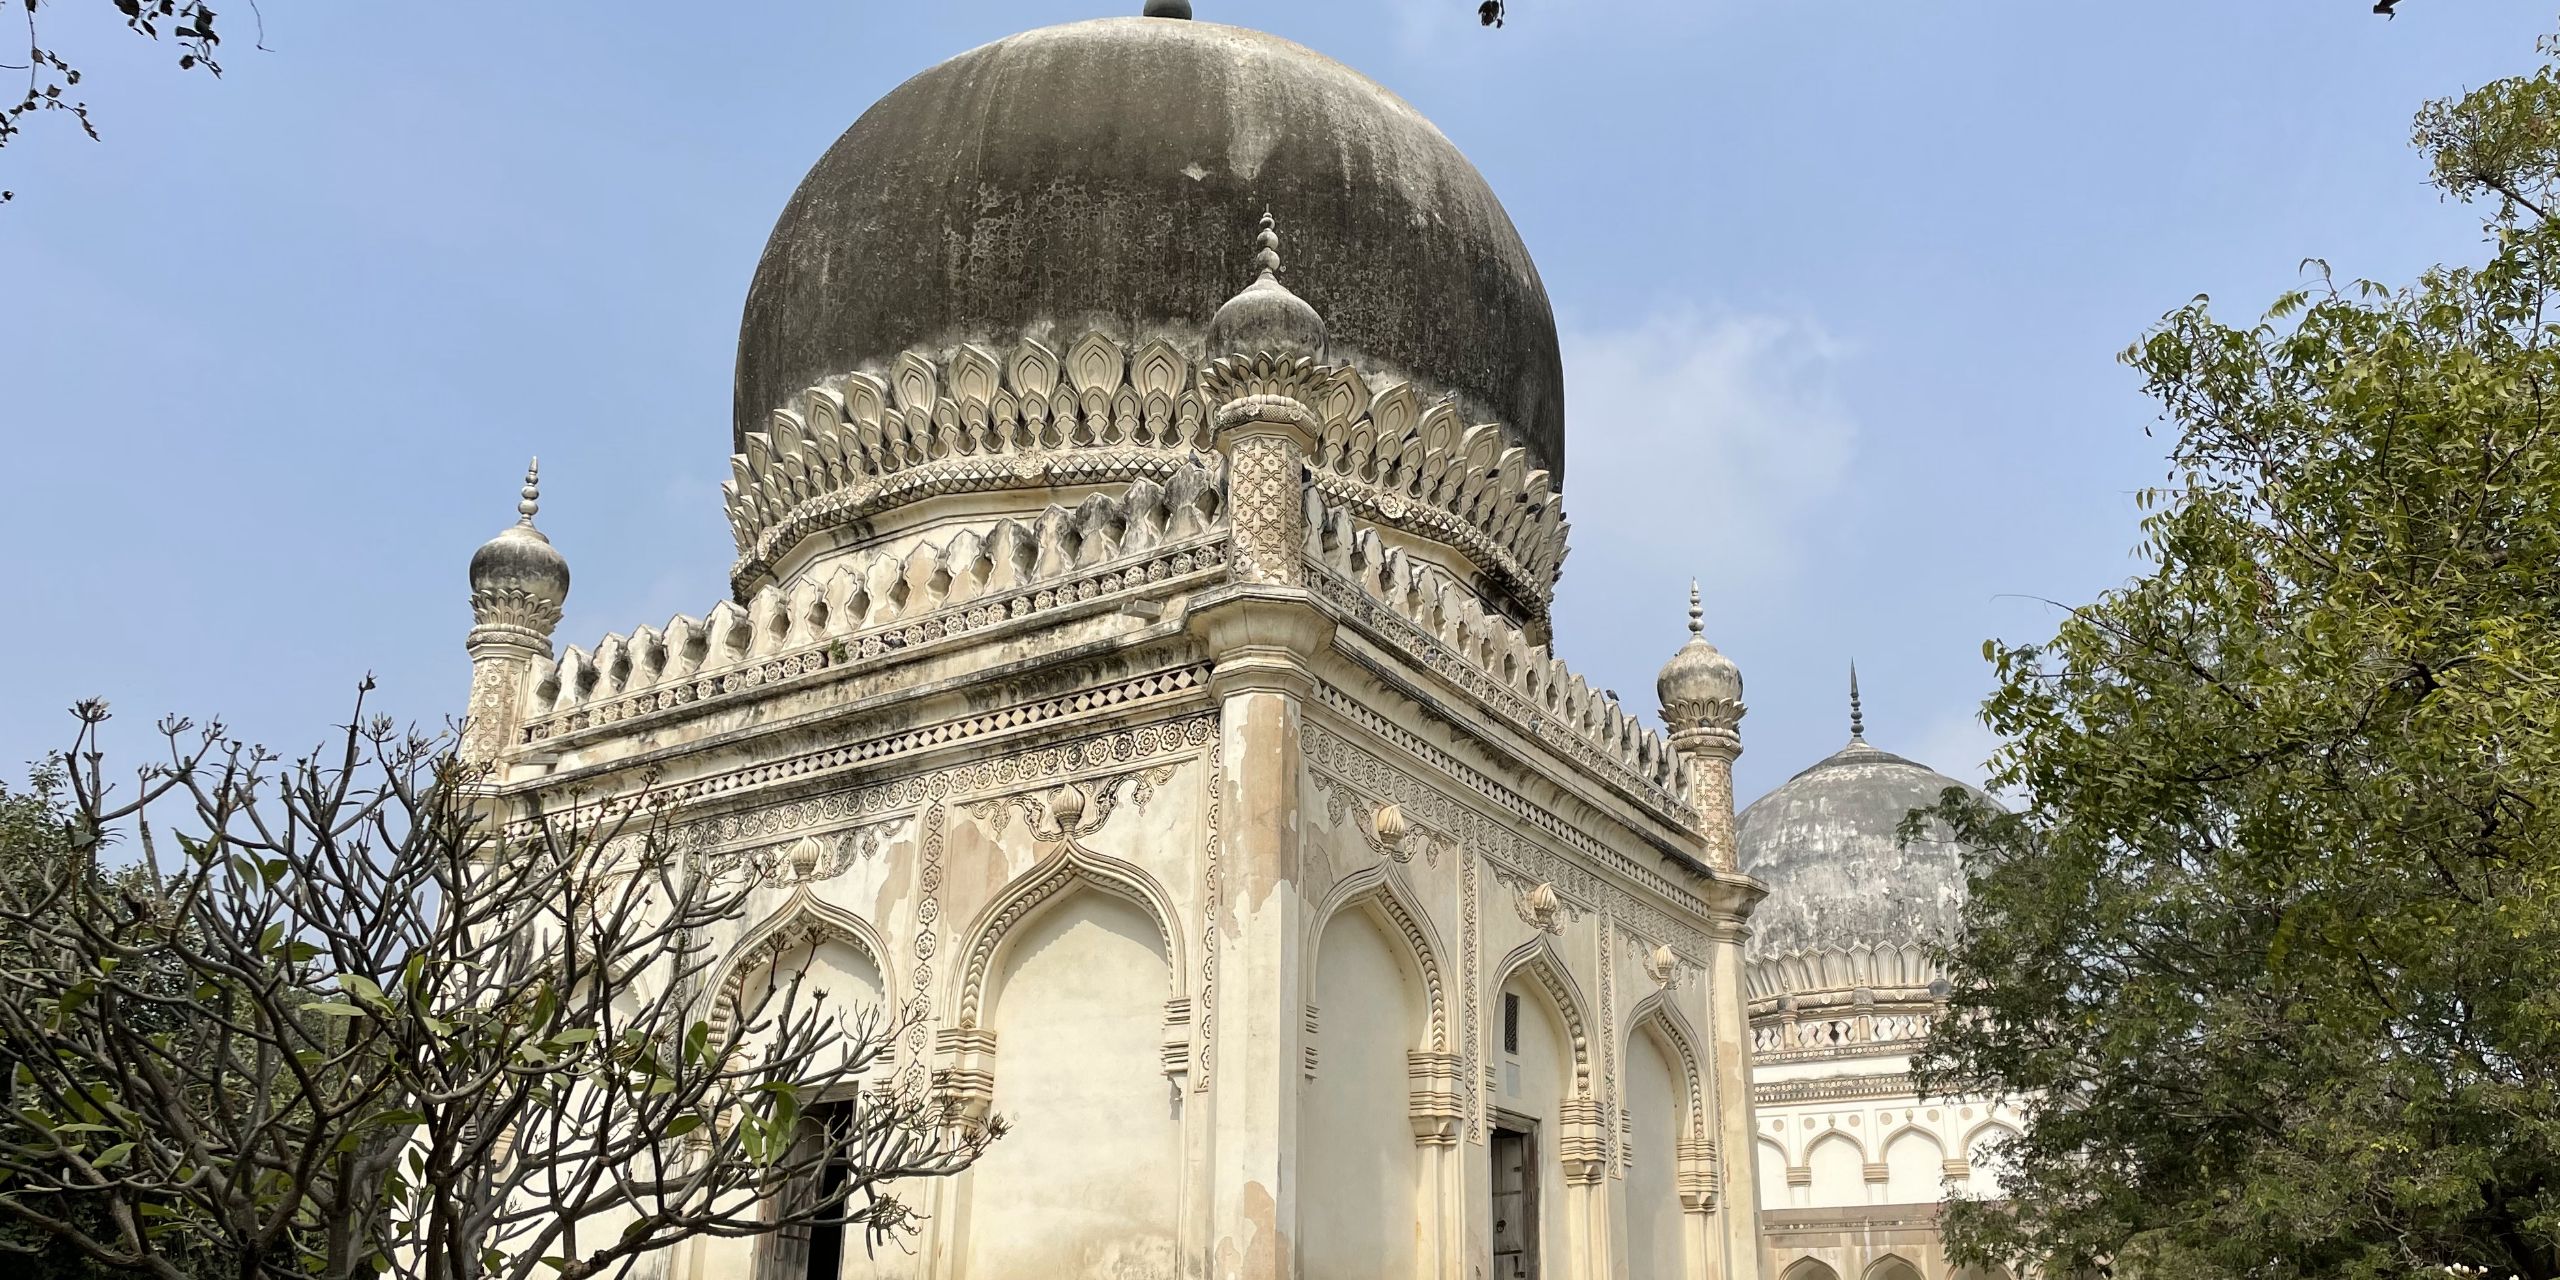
827,1239
1511,1022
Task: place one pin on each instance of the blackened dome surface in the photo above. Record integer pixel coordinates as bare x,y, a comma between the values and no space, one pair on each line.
1110,175
1828,844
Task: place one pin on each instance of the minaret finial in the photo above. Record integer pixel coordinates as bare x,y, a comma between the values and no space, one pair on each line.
532,500
1857,713
1268,244
1697,611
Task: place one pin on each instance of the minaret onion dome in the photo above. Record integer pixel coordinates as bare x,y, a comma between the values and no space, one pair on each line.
1267,318
519,581
1700,688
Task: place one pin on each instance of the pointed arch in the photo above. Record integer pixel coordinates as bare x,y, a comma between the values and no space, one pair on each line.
802,920
1809,1268
1991,1126
1892,1266
1386,896
1538,959
1069,868
1657,1016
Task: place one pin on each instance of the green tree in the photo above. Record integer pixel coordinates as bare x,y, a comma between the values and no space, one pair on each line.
353,1014
53,82
35,848
2270,950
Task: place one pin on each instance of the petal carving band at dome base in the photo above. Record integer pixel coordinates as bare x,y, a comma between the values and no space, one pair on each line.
859,446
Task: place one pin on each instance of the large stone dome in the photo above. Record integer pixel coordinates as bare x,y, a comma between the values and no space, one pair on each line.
1841,880
1110,174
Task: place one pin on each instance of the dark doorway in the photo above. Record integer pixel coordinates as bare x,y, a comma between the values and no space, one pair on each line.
815,1250
1515,1198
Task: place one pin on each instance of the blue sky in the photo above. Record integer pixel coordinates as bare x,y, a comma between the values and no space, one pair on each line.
1841,286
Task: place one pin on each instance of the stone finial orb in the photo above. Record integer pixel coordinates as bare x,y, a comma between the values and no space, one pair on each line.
1391,826
1267,316
518,578
1700,688
1067,805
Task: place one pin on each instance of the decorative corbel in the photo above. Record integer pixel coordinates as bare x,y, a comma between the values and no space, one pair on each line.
1696,1175
1433,1101
1581,1140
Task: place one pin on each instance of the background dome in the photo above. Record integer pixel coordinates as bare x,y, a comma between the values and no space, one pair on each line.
1827,844
1110,175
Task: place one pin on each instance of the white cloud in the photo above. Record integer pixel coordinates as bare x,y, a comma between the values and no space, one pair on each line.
1704,437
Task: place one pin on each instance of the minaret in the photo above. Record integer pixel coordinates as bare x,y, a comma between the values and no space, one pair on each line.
519,581
1264,346
1701,693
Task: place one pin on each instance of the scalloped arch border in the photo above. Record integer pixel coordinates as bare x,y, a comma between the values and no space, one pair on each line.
1540,960
1372,889
1028,897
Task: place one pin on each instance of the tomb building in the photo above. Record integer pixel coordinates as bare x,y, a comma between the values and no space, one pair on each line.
1146,482
1853,1161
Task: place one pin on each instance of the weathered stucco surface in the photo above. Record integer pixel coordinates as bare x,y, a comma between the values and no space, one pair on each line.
1172,735
1851,1161
1105,174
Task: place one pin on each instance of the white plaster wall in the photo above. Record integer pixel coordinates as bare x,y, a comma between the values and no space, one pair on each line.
1652,1182
836,979
1982,1176
1087,1182
1357,1213
1839,1174
1915,1166
1770,1163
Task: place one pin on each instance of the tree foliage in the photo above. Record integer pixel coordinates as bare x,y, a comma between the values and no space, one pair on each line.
2271,951
53,83
346,1016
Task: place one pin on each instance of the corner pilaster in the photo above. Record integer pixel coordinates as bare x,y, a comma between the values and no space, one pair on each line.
1733,1191
1261,644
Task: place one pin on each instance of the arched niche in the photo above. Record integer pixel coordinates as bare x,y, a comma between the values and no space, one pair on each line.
807,927
1384,899
1371,1012
1809,1268
1982,1159
1838,1165
1915,1167
1538,968
1892,1266
1089,1173
1067,870
1651,1188
1655,1017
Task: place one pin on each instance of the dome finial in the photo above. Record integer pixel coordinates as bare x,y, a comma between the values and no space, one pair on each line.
1267,245
518,579
1857,713
1167,9
1700,688
1265,317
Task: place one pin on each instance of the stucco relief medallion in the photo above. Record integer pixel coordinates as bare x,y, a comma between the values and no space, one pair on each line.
1070,811
1665,967
1542,909
1384,826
